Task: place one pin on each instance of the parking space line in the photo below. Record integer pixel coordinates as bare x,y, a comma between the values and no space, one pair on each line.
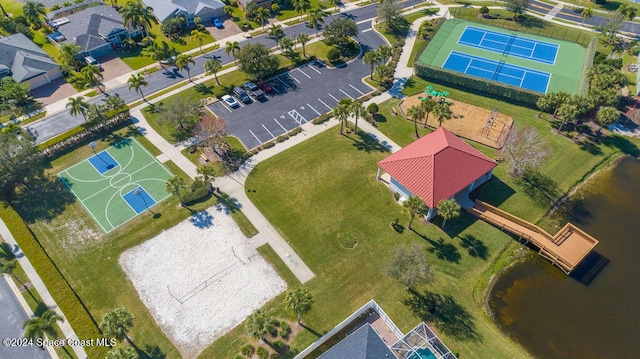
254,135
297,116
367,30
314,69
314,110
227,107
284,83
240,103
285,130
349,96
304,73
334,98
265,127
322,102
353,87
298,81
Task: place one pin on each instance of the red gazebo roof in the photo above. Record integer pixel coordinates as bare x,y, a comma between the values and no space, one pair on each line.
437,166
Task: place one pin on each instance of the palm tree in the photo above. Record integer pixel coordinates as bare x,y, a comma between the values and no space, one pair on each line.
68,53
428,105
416,113
567,112
627,11
134,13
208,174
77,105
183,61
174,185
129,43
286,44
261,15
275,31
212,67
198,36
233,47
303,39
116,324
299,300
159,51
448,209
122,353
4,12
32,11
259,324
335,3
357,109
316,17
371,58
137,82
385,53
414,206
442,112
300,6
342,111
37,327
91,75
607,116
8,265
115,102
587,12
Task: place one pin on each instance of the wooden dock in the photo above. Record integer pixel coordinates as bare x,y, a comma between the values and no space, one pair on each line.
566,249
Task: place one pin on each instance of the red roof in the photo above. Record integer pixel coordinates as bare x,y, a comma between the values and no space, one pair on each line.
437,166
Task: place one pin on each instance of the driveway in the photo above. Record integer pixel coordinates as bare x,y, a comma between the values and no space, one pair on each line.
57,90
230,28
112,66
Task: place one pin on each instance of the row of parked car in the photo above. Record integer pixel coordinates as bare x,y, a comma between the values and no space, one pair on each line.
246,92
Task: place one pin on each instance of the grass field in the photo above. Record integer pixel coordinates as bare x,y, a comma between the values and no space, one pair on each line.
566,73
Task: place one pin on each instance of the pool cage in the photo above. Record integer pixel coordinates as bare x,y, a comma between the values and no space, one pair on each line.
421,337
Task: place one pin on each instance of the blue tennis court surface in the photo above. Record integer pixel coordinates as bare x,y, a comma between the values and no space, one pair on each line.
103,162
139,202
509,44
498,71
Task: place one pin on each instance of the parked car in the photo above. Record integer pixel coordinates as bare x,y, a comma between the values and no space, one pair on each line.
230,101
91,61
253,90
217,23
265,86
241,94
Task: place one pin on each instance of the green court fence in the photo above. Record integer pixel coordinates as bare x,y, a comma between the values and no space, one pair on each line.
588,62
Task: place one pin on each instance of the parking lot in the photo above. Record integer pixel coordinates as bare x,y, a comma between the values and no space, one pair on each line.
299,96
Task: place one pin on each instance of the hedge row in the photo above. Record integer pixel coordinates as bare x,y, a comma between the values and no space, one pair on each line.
466,83
66,298
588,62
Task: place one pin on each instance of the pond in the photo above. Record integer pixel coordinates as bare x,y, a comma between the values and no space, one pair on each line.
556,316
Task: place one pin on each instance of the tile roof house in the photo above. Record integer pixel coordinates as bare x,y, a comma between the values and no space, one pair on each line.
23,60
438,166
95,29
204,9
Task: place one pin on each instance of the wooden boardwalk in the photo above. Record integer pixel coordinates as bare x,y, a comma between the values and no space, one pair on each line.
566,249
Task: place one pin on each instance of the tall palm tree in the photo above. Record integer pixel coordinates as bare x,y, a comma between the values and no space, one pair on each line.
32,11
137,82
159,51
385,53
443,112
92,75
117,323
335,3
371,58
4,12
357,109
174,185
233,47
587,12
136,14
414,206
286,44
69,52
627,11
607,116
316,17
299,300
115,102
259,324
198,36
37,327
303,39
448,209
275,31
183,61
212,67
77,105
428,105
342,112
416,113
301,6
261,15
122,353
208,174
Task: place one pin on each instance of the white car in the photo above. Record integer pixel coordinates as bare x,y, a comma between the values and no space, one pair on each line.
230,101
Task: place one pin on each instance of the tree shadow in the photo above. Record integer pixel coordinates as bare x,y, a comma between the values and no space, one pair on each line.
458,225
151,352
202,219
6,251
40,308
311,330
531,22
622,144
540,188
493,191
203,89
590,147
226,203
442,250
474,246
45,198
445,313
117,140
367,143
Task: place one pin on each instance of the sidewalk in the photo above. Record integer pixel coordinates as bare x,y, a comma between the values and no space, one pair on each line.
37,283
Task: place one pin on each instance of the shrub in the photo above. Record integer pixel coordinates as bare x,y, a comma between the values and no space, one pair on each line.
484,10
281,138
322,119
248,350
295,131
333,54
278,345
283,333
268,145
262,353
284,326
238,357
275,356
195,193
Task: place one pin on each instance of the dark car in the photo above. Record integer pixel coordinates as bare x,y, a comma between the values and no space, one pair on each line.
265,86
241,94
253,90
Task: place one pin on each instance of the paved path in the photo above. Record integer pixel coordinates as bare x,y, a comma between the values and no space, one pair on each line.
553,12
37,283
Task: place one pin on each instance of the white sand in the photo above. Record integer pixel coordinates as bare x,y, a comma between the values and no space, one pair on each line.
198,267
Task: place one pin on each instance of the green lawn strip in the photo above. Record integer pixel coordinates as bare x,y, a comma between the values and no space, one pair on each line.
247,228
276,262
397,127
418,14
33,118
235,143
417,46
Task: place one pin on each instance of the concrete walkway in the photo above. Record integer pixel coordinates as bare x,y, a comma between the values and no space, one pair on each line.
37,283
556,9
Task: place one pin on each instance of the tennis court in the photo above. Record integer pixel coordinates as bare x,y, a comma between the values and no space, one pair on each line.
117,184
498,71
509,44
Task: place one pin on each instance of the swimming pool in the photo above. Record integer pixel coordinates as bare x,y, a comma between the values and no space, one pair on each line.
423,353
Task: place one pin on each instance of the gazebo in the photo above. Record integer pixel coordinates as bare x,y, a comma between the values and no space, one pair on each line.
437,166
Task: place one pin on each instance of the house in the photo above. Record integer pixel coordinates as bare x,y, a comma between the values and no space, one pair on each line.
363,343
190,9
96,29
23,60
438,166
259,3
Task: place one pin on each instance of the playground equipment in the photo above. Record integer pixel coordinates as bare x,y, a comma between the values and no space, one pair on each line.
490,122
434,93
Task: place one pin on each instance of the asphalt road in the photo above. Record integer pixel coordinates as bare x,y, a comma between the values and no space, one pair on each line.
11,326
58,123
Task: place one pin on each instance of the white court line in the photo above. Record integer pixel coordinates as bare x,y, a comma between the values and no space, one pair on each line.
367,30
322,102
334,98
353,87
285,130
349,96
314,69
314,110
298,81
265,127
284,83
254,135
303,73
